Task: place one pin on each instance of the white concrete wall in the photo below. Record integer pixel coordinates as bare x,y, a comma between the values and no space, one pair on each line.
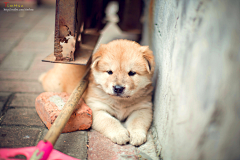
197,80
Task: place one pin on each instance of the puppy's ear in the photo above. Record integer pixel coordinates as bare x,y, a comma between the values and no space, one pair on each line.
148,56
96,56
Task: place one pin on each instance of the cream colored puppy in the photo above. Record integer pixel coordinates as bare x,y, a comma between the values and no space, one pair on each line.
120,89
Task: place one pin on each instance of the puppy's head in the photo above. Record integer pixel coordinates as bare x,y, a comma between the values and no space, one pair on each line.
122,67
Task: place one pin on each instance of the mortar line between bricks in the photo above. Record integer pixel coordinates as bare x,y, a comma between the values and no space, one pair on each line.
27,31
87,142
40,135
24,92
5,106
22,107
11,107
8,105
22,126
19,80
27,107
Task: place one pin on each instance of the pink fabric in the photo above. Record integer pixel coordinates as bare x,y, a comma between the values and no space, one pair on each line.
45,147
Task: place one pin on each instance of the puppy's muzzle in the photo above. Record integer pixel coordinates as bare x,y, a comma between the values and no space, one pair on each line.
118,89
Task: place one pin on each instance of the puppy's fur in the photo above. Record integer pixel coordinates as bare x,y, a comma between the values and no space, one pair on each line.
63,77
120,63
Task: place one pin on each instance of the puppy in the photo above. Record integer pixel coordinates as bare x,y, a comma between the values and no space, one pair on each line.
63,77
119,90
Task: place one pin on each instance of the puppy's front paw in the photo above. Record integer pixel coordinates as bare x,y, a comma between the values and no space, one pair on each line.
120,136
137,137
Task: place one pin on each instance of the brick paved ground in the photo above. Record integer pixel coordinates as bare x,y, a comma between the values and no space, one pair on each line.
25,39
24,42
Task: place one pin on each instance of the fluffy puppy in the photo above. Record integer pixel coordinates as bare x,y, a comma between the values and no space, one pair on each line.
120,89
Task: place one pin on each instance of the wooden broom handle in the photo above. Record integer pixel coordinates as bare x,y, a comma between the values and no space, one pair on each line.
63,117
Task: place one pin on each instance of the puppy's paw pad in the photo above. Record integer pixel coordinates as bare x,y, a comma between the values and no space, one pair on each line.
120,136
137,138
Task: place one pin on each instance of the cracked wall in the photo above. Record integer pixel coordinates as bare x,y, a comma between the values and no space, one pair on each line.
197,79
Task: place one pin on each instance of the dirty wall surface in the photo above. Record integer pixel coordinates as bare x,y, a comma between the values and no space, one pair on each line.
197,78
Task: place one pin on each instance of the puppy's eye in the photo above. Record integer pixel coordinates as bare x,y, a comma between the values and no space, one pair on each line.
109,72
131,73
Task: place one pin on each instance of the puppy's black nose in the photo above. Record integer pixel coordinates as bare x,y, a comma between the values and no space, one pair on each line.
118,89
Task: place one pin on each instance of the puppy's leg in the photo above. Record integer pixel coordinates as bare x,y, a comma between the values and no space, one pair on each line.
138,124
109,126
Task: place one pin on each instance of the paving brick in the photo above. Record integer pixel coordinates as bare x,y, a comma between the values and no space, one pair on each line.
22,116
38,65
2,57
9,18
3,99
20,86
31,18
6,47
102,148
37,35
4,25
49,20
10,35
47,27
18,137
27,21
4,96
36,68
2,31
19,75
73,144
38,13
33,46
24,100
50,104
17,61
18,30
23,25
51,37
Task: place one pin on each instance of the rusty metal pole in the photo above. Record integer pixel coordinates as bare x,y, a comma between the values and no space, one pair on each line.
72,17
